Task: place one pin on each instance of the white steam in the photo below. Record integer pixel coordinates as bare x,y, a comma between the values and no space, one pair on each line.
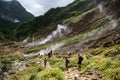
59,32
51,48
25,40
16,21
100,6
114,23
47,50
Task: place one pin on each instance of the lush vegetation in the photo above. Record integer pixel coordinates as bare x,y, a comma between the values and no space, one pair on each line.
104,59
10,12
50,74
29,74
50,19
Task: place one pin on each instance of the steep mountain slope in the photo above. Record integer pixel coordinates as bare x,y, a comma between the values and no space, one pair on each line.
49,20
11,14
97,24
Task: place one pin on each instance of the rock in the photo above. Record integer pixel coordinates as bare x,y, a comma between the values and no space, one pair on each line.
69,77
1,77
38,62
88,73
99,76
11,71
95,78
117,75
85,79
81,73
5,74
76,77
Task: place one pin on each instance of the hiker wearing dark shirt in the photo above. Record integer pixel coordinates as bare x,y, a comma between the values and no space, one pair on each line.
80,59
66,62
45,62
50,54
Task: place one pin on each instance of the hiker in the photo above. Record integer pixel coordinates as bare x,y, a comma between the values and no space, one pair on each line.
45,62
66,62
80,59
50,54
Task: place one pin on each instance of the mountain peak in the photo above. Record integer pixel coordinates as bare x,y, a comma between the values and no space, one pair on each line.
13,12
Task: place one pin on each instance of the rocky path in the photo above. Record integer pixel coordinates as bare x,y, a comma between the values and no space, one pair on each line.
90,75
75,74
47,65
71,73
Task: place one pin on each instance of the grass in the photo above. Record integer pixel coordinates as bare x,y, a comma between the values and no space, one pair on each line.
50,74
98,61
108,65
57,63
75,19
1,50
36,72
28,74
5,61
60,62
38,48
35,49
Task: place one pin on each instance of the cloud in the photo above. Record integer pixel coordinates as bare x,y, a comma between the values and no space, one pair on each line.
39,7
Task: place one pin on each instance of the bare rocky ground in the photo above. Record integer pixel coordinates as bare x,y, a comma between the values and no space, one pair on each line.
74,74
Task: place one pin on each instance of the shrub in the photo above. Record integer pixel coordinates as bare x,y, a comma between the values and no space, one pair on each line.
57,63
50,74
110,73
28,74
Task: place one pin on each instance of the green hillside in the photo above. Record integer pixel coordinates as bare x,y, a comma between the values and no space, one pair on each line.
50,19
90,28
12,14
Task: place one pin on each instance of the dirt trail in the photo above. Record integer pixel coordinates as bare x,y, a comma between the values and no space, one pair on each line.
47,65
75,74
18,51
71,73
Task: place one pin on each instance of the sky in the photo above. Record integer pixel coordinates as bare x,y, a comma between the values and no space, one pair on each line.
39,7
